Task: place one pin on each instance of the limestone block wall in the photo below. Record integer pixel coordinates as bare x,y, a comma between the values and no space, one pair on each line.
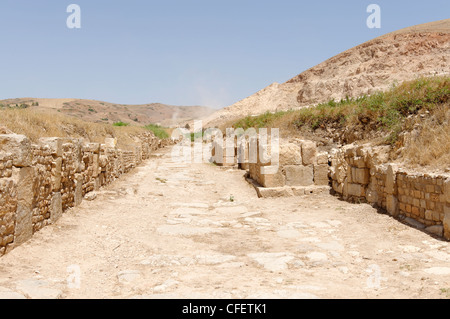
358,175
8,201
223,154
422,197
299,165
38,182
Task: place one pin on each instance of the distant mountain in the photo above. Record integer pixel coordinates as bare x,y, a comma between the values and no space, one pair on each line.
421,50
98,111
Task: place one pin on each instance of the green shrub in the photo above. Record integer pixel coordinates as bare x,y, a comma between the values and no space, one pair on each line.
158,130
381,110
120,123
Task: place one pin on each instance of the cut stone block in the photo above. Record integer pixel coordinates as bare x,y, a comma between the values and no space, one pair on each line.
95,165
314,190
391,183
290,154
371,196
272,180
309,152
78,197
321,174
299,175
447,190
360,175
56,174
298,190
322,158
25,194
438,230
54,143
274,192
446,224
55,207
356,190
338,187
392,205
110,142
19,146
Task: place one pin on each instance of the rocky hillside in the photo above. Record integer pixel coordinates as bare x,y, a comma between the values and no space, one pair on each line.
104,112
399,56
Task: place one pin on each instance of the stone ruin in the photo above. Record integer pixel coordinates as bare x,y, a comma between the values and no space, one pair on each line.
38,182
355,173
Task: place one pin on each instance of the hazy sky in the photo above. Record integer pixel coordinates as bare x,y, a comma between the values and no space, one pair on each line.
181,52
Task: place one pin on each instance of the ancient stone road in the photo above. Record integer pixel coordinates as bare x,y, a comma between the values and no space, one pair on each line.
171,230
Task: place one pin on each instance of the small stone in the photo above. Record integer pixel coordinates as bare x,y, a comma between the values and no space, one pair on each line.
128,276
316,256
38,289
90,196
288,233
414,223
166,285
343,269
438,270
6,293
436,229
272,261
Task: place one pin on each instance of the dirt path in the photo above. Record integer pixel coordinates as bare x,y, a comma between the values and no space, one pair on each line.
171,230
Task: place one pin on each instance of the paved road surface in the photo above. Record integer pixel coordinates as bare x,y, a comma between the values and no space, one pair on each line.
171,230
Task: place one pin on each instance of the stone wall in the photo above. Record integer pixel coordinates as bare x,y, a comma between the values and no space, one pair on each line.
300,169
423,200
356,173
38,182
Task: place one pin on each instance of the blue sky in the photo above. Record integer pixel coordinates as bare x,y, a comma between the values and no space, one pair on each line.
181,52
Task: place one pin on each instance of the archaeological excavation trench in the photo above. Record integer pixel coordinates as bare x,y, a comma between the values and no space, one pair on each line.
140,224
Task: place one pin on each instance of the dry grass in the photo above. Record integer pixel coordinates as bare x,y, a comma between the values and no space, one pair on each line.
420,106
35,125
428,144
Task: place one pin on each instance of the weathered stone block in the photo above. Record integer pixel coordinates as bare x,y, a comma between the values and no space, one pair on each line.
271,179
299,175
19,146
338,187
436,229
93,147
290,154
56,174
356,190
55,207
54,143
322,158
274,192
78,196
360,175
110,142
371,196
298,190
314,190
392,205
446,223
309,152
26,195
359,162
391,177
321,175
447,190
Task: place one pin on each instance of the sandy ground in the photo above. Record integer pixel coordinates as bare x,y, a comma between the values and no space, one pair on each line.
171,230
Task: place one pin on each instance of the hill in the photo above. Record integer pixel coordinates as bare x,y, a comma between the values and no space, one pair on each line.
105,112
403,55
